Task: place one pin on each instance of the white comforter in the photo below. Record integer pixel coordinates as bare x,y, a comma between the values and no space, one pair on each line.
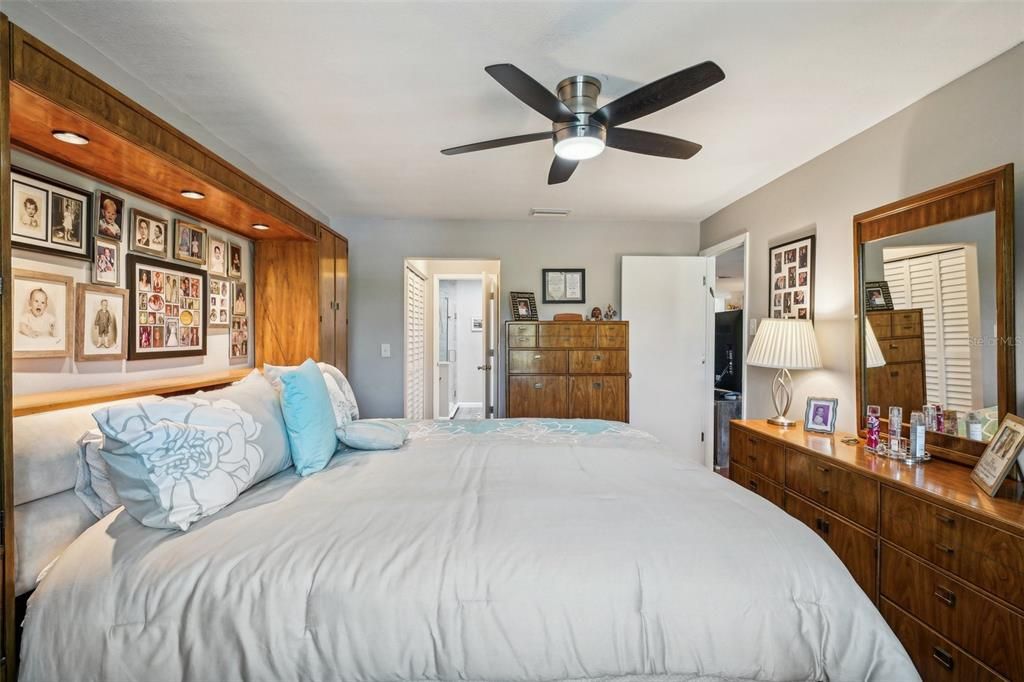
518,550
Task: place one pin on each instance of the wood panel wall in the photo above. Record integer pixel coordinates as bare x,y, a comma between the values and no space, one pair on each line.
287,302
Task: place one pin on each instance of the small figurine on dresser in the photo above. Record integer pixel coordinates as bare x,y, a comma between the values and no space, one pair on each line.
610,313
595,314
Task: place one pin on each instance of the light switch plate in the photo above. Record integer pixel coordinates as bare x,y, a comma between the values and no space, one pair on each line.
385,350
753,326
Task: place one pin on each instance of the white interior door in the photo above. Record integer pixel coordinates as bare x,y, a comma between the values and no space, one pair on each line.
488,308
665,299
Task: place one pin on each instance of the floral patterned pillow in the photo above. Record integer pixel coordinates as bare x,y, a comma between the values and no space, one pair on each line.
179,460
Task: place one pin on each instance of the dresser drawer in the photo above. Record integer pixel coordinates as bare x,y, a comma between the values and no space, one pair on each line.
857,549
612,336
901,317
537,362
522,335
567,336
761,456
936,658
977,624
756,484
906,328
597,362
597,397
848,494
901,350
881,324
537,396
989,558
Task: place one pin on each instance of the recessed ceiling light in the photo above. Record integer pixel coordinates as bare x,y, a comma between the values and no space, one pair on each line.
549,212
192,194
70,137
260,226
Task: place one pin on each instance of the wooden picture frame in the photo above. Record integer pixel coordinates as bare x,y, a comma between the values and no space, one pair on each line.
106,262
524,306
791,279
60,226
148,233
234,260
190,241
217,257
163,321
564,285
35,323
238,343
219,314
877,296
1001,455
100,331
109,219
239,309
820,415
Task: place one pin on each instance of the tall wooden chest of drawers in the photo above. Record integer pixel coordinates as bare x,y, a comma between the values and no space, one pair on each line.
943,561
901,381
577,370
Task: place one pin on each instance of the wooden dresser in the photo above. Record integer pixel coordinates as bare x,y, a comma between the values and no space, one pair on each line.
578,370
901,381
943,561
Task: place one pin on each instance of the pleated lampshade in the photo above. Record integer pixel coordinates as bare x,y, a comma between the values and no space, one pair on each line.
785,344
872,351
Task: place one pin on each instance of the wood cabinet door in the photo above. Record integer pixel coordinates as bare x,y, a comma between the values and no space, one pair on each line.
597,397
341,304
537,396
327,296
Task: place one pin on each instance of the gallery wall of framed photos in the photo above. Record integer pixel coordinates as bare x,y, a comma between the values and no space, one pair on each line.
110,287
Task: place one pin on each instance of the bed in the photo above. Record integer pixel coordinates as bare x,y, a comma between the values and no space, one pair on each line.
490,550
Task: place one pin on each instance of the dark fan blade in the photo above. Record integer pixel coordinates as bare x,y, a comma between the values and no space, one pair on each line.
653,144
659,94
501,142
561,169
532,93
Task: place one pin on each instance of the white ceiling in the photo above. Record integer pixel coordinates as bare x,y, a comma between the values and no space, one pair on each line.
348,104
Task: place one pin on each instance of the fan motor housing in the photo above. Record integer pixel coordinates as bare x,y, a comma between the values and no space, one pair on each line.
579,94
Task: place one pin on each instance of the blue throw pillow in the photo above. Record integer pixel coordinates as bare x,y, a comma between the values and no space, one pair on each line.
309,418
372,434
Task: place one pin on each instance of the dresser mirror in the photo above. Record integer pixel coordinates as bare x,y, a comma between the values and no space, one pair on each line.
934,295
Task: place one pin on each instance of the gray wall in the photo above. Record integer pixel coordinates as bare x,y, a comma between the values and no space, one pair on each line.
971,125
378,248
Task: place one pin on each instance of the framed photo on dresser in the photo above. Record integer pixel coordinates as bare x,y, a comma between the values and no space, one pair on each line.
1000,456
791,280
167,309
524,305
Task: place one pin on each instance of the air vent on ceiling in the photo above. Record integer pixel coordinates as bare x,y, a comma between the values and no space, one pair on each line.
549,212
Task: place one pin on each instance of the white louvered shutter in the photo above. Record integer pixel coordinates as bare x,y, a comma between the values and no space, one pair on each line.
415,351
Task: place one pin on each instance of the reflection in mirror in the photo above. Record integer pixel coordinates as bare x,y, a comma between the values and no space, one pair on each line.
929,302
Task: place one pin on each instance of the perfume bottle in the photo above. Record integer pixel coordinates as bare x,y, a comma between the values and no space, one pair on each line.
973,426
874,425
895,425
951,423
929,416
940,419
915,452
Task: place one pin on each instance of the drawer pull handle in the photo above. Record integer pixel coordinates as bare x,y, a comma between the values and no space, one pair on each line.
752,456
538,385
894,374
945,549
823,491
597,384
823,470
822,525
537,357
752,484
893,346
944,658
597,358
945,596
948,520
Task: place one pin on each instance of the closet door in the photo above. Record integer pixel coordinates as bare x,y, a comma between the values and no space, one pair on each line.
341,304
327,296
415,350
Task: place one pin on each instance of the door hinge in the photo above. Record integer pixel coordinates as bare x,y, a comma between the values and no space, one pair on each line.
701,436
490,352
1,286
704,280
490,409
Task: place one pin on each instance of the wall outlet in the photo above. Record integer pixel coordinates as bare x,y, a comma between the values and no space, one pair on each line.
385,350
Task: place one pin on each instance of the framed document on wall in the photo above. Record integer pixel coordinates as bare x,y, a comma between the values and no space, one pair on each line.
167,309
565,285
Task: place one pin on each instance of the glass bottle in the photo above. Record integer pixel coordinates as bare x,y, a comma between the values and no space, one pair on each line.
917,436
973,426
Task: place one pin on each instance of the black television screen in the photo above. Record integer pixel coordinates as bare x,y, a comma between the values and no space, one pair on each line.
729,350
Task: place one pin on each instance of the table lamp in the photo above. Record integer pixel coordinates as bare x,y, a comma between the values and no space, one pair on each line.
784,345
872,351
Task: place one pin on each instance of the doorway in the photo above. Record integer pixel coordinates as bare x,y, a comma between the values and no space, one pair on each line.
450,338
728,337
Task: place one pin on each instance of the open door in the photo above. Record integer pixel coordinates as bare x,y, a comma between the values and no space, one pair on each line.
490,335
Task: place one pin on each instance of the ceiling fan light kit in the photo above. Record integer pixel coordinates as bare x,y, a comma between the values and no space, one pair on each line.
580,130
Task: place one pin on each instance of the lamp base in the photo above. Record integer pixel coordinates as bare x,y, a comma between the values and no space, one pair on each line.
779,420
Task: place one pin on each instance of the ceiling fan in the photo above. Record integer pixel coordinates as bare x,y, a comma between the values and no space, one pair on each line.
581,131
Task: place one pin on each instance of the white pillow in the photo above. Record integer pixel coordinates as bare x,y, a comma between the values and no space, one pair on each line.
93,485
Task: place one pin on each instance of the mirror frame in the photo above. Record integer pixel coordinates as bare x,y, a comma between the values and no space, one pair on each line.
981,193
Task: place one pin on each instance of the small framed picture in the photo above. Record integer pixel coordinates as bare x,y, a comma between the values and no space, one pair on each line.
189,242
220,303
100,329
43,315
109,221
106,262
524,305
149,234
239,338
820,416
564,285
877,296
1000,456
239,299
217,257
234,260
49,216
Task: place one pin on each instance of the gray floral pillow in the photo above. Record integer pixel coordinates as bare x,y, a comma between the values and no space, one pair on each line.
176,461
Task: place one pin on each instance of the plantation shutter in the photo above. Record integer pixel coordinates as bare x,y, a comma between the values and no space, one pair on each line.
415,351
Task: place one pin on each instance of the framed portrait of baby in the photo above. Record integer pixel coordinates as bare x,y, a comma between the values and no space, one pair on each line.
49,216
100,329
109,220
106,262
43,315
149,234
820,415
217,257
189,242
239,299
168,305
